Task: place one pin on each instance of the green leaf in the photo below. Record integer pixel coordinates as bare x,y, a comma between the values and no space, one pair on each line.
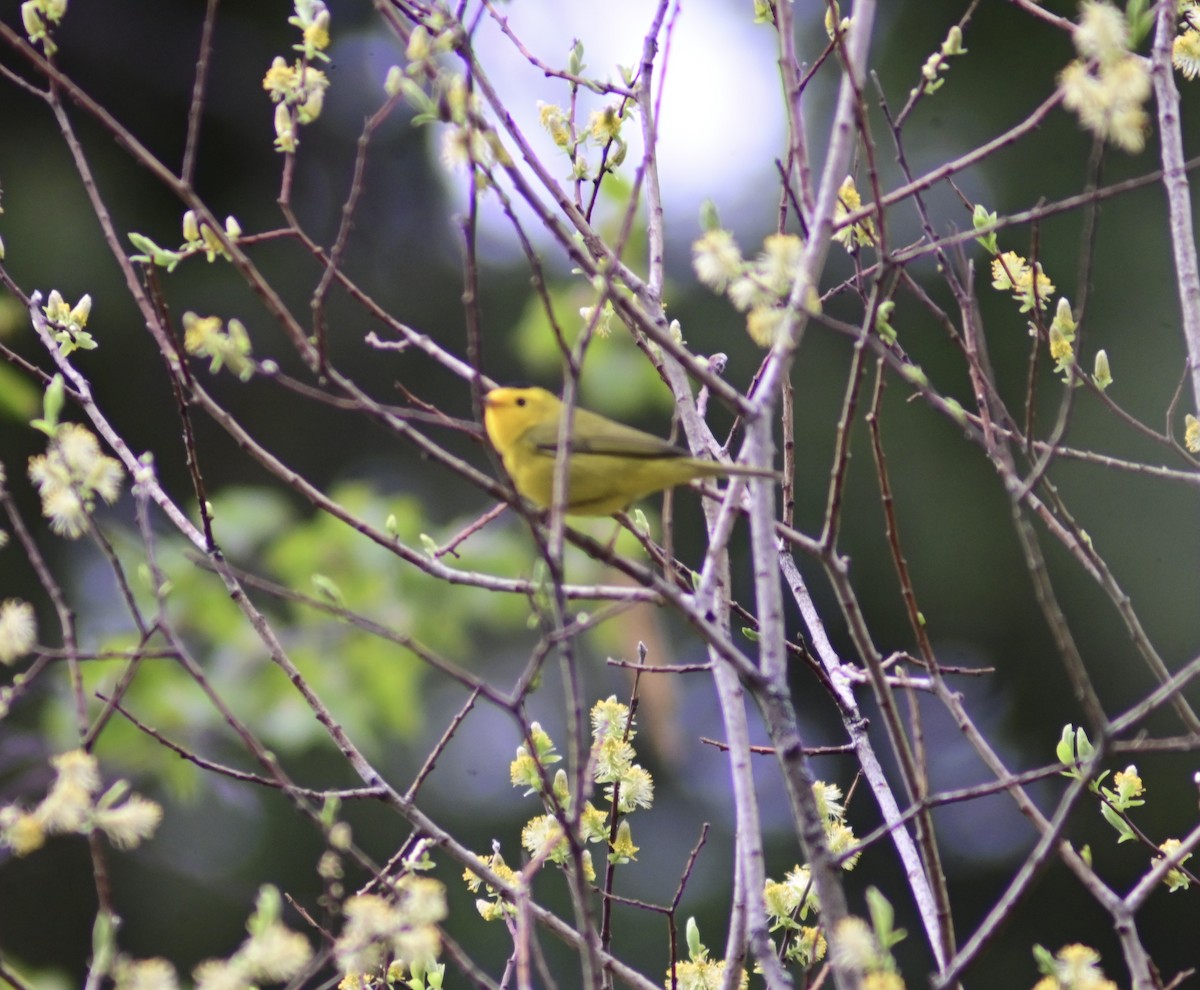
575,63
1140,17
1045,960
104,942
1065,750
329,589
52,405
1084,749
1124,832
329,811
143,244
982,218
883,917
697,951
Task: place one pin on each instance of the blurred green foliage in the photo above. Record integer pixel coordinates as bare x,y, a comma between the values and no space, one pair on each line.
372,686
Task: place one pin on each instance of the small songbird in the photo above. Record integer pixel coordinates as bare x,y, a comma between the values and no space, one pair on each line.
611,465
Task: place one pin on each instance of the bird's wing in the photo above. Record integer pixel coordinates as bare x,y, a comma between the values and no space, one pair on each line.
595,434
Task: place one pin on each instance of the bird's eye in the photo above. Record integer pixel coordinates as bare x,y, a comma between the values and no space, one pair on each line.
520,402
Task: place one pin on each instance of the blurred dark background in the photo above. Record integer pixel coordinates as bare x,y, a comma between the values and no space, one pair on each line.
186,895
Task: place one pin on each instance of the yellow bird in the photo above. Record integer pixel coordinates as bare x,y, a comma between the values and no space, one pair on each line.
611,466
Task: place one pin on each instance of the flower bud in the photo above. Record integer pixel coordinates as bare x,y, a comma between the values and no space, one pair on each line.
83,309
191,228
391,83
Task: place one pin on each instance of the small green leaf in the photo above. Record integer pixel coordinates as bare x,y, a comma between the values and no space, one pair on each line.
52,404
328,588
1084,749
982,218
1124,831
640,523
575,63
143,244
883,917
113,795
267,910
883,325
696,949
1102,375
1045,960
913,374
1065,750
329,811
104,942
